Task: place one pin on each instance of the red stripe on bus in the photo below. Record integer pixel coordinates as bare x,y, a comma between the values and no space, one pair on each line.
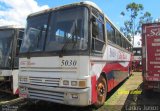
114,66
110,85
94,91
17,91
108,68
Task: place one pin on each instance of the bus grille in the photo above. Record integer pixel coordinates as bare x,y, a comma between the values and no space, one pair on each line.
43,81
52,96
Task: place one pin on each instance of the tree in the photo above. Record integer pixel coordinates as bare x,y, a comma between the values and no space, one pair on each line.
132,26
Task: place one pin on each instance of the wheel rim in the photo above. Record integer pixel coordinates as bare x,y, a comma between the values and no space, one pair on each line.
101,92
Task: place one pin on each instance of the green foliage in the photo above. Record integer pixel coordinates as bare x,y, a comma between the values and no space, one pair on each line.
136,17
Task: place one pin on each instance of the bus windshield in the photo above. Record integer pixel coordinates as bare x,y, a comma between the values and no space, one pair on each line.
59,30
137,51
6,40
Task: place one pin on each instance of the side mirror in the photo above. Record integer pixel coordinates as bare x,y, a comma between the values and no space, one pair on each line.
95,31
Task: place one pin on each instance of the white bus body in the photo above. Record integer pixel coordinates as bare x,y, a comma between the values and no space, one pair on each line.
65,75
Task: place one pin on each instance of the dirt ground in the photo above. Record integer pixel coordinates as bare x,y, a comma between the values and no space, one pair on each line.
128,96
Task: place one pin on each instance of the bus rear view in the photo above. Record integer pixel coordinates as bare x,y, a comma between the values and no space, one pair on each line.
151,56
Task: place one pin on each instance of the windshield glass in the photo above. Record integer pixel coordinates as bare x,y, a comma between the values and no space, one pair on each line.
35,34
137,51
6,39
68,30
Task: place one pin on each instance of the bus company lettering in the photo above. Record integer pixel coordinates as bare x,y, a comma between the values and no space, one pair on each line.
23,62
154,32
112,53
122,55
26,63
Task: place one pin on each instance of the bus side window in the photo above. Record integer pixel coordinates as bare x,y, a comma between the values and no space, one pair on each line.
18,45
118,39
110,32
98,40
125,44
19,41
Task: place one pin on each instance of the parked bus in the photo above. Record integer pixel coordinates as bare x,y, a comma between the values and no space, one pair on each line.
151,56
137,59
10,41
72,55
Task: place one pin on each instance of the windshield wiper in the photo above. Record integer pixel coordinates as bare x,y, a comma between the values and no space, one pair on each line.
63,49
39,36
67,42
75,34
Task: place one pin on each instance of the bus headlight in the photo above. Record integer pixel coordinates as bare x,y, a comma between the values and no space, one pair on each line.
65,82
74,83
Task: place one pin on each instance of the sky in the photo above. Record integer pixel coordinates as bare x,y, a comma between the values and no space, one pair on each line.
14,12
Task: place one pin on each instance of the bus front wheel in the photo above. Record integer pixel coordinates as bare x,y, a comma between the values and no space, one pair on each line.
101,91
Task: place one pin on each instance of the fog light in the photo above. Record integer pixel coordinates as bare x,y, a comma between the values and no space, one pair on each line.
65,82
74,83
75,96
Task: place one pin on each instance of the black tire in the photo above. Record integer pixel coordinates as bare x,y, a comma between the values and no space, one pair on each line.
148,93
129,73
101,91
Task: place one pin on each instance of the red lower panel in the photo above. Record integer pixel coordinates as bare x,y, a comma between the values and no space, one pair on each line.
115,78
110,84
17,91
114,66
94,91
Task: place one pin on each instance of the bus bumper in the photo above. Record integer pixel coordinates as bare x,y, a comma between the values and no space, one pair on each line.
68,96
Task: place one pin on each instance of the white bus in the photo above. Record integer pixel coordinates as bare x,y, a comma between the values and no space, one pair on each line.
10,41
72,55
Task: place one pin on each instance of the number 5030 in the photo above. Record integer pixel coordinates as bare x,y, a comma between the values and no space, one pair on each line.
68,63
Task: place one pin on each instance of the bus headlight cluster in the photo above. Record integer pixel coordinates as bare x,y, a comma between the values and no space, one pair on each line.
23,79
75,83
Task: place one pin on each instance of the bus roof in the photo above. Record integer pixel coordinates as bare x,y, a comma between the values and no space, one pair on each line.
89,3
68,5
11,26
